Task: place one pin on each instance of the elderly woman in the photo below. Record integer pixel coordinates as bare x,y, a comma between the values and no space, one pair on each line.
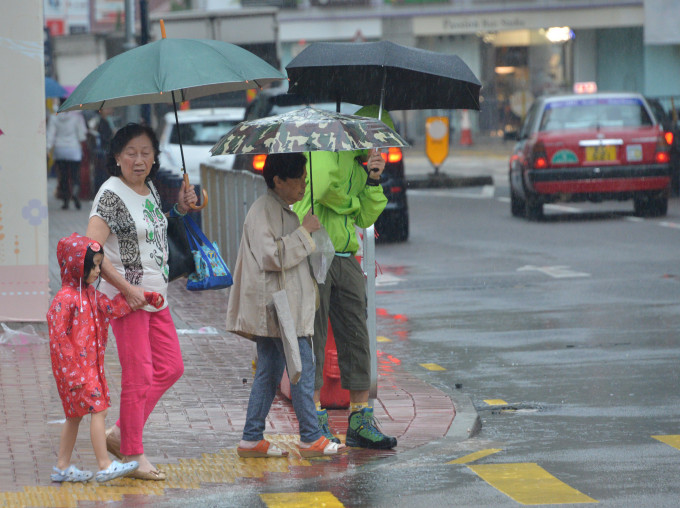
126,218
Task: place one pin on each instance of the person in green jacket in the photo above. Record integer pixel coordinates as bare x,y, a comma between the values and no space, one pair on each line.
347,194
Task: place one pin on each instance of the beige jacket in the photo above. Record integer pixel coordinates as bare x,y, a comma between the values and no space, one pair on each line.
250,311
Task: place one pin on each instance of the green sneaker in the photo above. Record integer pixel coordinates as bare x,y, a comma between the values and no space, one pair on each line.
363,432
322,416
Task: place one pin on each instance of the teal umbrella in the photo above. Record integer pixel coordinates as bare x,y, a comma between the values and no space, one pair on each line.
171,70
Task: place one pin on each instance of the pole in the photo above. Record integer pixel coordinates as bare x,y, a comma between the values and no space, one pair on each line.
311,186
368,259
131,112
130,24
144,39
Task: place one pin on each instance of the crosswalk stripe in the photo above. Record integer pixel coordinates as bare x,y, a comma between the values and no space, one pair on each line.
432,366
671,440
301,500
528,483
475,456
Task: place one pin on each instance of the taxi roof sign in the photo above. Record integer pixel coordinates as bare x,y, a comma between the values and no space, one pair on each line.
585,87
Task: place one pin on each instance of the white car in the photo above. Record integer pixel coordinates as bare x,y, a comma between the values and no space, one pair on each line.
200,129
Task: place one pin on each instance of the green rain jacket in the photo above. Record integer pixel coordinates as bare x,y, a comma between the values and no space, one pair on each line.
341,197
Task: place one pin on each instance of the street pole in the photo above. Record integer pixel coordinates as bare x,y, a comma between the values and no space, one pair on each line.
144,39
131,112
130,25
368,259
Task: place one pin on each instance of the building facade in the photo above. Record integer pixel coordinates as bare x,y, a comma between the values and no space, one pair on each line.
518,49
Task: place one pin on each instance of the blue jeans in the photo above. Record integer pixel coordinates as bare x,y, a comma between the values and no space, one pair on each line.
271,362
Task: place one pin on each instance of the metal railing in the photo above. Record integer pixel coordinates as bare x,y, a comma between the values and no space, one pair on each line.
230,194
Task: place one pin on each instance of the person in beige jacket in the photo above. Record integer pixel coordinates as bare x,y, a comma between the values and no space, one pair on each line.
271,225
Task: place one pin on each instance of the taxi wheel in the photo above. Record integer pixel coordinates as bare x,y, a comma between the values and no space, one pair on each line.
534,209
651,205
517,205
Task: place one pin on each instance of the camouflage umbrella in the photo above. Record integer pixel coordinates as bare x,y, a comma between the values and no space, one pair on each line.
307,130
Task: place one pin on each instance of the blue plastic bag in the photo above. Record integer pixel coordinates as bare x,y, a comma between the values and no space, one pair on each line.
211,270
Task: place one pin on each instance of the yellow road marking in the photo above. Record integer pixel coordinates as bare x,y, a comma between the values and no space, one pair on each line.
495,402
671,440
529,483
475,456
432,366
381,338
301,500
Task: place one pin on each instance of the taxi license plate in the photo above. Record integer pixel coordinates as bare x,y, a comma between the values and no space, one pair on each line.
600,153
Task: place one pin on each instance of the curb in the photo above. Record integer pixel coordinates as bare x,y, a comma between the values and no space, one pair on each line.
442,180
467,422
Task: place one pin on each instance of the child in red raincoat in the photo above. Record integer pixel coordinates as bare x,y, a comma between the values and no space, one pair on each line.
78,322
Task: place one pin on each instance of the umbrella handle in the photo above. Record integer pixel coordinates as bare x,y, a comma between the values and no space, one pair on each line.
205,195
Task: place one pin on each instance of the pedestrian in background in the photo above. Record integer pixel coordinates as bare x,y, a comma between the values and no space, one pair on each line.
345,194
78,324
66,133
273,241
127,219
101,129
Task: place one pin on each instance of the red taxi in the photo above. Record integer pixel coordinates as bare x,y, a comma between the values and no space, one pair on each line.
602,146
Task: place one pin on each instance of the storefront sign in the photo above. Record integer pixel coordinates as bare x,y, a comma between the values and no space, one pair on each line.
601,17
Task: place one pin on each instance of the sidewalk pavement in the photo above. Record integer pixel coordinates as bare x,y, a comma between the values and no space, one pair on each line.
194,430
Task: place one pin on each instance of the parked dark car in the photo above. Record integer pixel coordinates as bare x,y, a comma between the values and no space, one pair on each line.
595,147
669,121
392,225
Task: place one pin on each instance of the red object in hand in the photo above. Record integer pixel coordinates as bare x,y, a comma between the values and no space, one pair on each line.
155,299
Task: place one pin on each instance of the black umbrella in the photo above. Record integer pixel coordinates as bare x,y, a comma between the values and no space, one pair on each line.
393,76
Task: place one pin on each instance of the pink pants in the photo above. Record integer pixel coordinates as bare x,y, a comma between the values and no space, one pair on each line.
151,362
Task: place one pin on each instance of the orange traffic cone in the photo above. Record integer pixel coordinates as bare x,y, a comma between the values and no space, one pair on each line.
465,133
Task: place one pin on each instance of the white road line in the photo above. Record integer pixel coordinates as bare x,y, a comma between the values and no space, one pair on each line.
556,272
673,225
563,208
486,192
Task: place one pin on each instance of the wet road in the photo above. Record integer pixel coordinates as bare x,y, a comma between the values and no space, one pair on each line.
562,334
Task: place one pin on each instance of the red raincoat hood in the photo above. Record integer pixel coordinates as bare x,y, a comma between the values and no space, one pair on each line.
71,252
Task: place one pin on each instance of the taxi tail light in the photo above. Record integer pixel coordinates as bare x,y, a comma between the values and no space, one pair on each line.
539,159
258,162
663,148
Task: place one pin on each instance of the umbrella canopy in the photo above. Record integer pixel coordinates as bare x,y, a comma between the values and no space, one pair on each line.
307,130
171,70
190,68
54,89
363,73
